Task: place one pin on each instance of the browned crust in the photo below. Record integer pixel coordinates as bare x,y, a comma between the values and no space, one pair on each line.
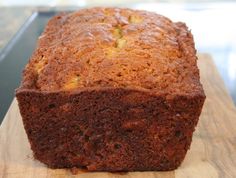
109,130
124,124
104,47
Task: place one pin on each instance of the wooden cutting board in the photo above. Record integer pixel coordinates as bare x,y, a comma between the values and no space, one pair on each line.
212,153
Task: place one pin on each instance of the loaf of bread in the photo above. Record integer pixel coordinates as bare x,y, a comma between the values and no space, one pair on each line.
111,89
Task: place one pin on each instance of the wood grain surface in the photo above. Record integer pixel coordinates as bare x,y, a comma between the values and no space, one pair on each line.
212,153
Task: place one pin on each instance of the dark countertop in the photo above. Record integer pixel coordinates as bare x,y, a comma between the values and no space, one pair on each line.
223,49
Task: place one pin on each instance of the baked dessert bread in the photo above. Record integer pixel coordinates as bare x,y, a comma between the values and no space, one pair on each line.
111,89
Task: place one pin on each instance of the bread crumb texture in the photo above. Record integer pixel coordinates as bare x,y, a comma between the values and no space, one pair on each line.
113,47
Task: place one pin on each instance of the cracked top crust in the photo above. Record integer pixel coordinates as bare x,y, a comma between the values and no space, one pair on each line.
113,47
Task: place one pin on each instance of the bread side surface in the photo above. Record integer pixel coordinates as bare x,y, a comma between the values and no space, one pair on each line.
111,89
110,129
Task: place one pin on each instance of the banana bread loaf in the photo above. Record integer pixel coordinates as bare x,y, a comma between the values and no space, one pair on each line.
111,89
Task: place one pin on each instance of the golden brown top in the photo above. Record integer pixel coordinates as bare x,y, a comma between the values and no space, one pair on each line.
113,47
